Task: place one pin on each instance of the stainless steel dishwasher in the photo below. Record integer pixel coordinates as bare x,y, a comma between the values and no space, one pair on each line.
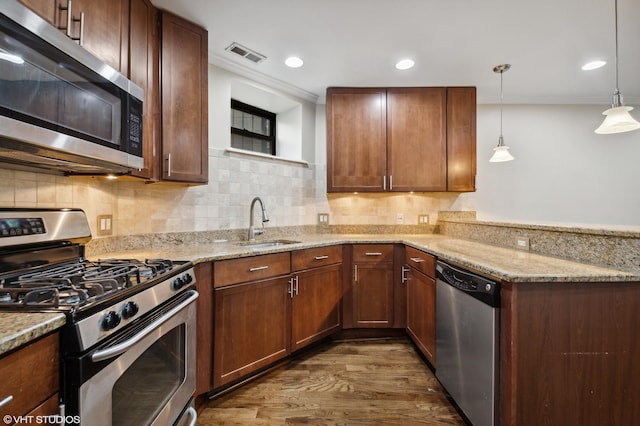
467,341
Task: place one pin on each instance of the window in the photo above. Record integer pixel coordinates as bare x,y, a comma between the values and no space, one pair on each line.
252,129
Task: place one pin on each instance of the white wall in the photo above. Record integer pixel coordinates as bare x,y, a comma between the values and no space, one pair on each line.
563,173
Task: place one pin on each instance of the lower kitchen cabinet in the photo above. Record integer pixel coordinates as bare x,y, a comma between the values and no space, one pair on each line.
421,302
371,297
204,330
261,320
252,328
315,304
31,375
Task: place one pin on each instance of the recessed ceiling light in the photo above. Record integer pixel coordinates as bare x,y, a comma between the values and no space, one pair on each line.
405,64
294,62
594,65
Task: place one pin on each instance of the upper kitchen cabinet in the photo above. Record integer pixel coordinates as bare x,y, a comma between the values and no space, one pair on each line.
184,101
416,139
48,10
401,139
356,139
101,27
461,139
105,30
144,70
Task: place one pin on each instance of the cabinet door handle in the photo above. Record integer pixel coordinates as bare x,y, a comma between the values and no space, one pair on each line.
373,253
296,284
80,38
68,9
6,401
390,182
417,259
404,278
355,273
258,268
290,291
384,183
321,257
168,164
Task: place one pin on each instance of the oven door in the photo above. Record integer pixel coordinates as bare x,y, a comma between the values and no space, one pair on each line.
146,377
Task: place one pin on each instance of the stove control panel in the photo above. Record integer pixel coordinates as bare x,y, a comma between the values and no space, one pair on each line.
98,326
13,227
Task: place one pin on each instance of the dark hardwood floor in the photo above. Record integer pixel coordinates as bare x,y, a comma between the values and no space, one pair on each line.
378,382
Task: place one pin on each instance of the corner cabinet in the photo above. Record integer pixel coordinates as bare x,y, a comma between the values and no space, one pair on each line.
401,139
184,94
373,297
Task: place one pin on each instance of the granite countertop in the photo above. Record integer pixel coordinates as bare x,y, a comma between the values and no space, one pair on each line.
507,264
19,328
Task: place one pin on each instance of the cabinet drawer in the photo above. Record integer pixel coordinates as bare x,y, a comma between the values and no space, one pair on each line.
373,253
233,271
421,261
30,375
315,257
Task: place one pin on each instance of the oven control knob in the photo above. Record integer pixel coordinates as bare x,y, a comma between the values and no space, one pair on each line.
188,278
110,320
129,309
178,283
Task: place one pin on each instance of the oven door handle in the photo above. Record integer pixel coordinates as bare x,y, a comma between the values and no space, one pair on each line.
122,347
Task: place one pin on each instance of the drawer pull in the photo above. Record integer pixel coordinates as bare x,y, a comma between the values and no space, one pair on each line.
6,401
417,259
258,268
373,253
321,257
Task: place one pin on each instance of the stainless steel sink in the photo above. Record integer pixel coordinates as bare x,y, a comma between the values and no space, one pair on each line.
267,244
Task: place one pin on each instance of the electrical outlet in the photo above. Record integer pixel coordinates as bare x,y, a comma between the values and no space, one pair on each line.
105,225
323,218
399,219
423,219
522,243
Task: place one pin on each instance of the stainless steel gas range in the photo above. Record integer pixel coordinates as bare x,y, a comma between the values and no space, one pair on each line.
128,348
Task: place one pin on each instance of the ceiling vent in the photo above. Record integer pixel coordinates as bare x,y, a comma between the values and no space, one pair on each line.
246,53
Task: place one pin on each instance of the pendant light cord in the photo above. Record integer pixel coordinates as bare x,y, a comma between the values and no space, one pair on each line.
501,105
616,32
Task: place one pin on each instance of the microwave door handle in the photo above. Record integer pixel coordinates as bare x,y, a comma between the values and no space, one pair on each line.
122,347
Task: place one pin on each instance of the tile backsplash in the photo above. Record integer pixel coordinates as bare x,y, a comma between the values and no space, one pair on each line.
293,193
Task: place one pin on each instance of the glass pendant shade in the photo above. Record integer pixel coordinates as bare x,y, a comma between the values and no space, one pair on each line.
617,120
501,153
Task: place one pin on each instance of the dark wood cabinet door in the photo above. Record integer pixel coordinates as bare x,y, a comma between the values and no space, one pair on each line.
47,9
356,139
144,71
106,29
461,139
316,305
421,313
373,295
416,139
184,101
252,328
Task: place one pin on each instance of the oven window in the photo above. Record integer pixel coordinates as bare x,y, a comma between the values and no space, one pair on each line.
144,389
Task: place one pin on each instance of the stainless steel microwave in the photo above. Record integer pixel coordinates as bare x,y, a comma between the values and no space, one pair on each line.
61,108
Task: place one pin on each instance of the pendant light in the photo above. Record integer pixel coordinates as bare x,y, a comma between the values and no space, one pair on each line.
501,152
618,119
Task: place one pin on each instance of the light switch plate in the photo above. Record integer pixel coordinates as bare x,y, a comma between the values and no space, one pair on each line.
323,218
423,219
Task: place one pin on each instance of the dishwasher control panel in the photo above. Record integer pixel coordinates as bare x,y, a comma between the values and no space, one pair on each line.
476,286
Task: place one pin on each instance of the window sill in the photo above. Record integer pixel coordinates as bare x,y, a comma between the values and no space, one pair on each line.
265,156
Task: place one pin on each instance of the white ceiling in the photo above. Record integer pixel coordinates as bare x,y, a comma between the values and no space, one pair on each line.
453,42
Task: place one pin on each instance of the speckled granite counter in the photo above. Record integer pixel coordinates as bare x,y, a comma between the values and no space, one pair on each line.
501,263
19,328
512,265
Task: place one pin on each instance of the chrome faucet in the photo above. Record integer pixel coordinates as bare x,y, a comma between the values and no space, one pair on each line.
265,218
